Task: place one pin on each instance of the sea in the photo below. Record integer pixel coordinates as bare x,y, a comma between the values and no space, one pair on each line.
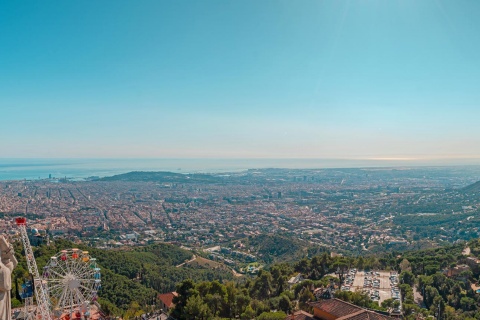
31,169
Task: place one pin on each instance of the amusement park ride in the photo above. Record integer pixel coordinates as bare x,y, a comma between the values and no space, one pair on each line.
67,286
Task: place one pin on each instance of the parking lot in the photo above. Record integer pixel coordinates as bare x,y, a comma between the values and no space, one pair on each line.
378,284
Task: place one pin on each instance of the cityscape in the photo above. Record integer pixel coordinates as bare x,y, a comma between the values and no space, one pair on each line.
344,210
239,160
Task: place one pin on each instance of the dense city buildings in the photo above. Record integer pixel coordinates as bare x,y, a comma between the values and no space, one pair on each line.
340,209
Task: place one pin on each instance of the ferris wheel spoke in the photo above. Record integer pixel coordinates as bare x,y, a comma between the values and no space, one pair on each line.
55,288
86,289
58,274
60,266
72,301
73,266
62,297
80,296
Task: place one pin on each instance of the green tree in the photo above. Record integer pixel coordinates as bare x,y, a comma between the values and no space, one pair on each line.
248,314
285,304
184,291
279,315
387,303
134,311
262,287
196,308
467,303
430,294
407,277
405,265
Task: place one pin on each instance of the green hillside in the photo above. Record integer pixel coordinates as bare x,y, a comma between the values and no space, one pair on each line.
276,248
132,278
136,275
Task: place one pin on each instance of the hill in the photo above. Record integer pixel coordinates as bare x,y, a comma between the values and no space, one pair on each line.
474,187
163,177
276,248
424,290
135,275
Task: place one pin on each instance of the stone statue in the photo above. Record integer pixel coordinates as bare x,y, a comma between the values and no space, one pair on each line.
7,264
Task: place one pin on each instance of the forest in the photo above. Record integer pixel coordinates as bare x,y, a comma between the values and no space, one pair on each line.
131,280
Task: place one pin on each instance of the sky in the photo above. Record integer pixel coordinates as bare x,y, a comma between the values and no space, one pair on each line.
366,79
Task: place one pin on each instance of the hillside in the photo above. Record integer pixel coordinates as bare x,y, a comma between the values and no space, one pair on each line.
132,278
474,187
426,291
163,177
127,276
276,248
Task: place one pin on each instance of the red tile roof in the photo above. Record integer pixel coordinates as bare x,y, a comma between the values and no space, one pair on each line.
365,315
344,310
167,298
336,307
300,315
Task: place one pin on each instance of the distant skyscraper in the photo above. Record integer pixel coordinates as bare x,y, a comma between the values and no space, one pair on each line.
50,176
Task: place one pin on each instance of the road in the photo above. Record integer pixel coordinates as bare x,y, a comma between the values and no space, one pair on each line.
191,260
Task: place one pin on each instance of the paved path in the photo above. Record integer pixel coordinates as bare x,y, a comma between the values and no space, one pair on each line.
191,260
417,297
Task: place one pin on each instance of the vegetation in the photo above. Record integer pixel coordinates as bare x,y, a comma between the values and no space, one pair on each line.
132,279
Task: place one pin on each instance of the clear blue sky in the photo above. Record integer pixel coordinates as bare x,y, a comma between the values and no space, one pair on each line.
296,79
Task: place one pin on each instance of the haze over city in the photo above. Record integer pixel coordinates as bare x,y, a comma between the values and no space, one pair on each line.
388,80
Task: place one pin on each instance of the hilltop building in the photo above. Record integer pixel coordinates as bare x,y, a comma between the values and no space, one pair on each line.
336,309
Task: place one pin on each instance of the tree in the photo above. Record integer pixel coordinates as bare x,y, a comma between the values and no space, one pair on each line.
405,265
196,308
467,303
134,311
360,263
262,288
279,315
248,314
305,296
214,302
242,303
387,303
341,269
430,294
438,307
303,266
423,282
407,277
184,291
285,304
404,289
396,304
279,278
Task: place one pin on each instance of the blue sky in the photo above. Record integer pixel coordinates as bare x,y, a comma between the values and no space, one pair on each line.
234,79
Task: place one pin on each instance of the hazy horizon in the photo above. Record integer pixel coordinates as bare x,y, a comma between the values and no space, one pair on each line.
29,168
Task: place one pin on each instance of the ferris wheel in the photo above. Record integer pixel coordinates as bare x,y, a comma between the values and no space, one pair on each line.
72,280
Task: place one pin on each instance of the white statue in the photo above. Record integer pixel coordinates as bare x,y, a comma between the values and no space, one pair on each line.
7,264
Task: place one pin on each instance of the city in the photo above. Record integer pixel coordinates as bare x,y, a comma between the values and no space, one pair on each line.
342,210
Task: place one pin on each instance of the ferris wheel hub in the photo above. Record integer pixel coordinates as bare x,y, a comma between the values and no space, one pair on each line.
72,282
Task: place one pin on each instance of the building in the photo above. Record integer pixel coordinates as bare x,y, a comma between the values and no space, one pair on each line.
294,280
166,300
455,271
473,262
300,315
332,309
